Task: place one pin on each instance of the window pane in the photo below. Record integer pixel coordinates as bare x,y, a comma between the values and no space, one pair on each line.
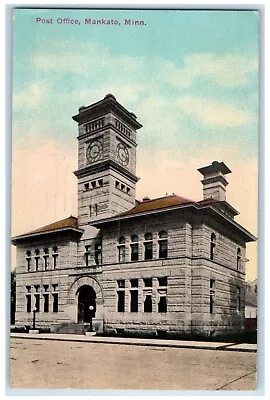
148,304
134,301
46,302
162,305
148,251
134,252
55,302
121,301
163,249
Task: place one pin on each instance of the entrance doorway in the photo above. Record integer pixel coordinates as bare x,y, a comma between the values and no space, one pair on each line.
86,304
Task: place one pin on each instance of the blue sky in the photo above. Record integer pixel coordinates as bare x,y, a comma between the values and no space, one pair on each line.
191,77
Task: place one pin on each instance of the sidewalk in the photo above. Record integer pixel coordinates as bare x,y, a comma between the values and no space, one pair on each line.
246,347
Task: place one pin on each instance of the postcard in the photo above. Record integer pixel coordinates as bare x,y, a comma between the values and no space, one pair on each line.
134,199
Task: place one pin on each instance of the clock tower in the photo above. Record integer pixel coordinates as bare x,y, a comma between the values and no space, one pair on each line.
106,160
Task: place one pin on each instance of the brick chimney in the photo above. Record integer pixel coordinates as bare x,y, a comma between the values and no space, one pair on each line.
214,181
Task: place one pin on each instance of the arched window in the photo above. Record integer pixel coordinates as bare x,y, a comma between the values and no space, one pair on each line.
238,262
148,246
37,258
46,258
55,256
121,249
212,246
28,259
163,244
134,246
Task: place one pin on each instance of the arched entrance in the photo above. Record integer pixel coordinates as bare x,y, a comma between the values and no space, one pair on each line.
86,303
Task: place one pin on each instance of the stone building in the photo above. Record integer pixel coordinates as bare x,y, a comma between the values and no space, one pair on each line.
160,265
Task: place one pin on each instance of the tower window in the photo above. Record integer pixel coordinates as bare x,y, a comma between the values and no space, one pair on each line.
86,186
93,184
117,184
212,246
128,190
100,182
148,246
93,210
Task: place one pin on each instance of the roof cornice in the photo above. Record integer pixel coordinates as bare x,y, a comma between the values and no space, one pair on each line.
17,239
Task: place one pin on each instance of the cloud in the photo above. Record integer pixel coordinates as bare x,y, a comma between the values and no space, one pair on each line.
229,70
32,97
212,112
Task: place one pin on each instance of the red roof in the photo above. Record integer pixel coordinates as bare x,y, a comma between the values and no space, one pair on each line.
70,222
155,204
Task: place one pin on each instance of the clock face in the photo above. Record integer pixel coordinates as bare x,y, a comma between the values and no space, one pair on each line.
94,151
122,153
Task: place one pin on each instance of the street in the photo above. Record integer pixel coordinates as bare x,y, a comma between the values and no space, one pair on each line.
46,364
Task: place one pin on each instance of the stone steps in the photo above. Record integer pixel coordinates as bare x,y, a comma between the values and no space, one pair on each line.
71,328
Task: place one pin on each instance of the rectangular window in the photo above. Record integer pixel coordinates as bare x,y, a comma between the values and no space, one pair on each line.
148,250
37,262
37,302
134,283
147,282
46,302
55,302
28,303
98,253
121,301
147,306
162,291
46,262
162,304
162,281
28,260
87,255
54,260
134,301
238,299
134,252
212,296
121,254
121,283
163,249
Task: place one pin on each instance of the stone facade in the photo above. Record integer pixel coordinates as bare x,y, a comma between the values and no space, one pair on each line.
161,265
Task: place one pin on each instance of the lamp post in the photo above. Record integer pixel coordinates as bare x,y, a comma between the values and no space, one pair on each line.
91,308
34,317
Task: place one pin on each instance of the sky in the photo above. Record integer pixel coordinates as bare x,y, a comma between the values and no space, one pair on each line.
191,77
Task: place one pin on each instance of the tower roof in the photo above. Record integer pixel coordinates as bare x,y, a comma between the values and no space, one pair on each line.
214,167
107,104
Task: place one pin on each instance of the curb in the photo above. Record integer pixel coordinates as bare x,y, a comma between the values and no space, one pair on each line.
224,347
